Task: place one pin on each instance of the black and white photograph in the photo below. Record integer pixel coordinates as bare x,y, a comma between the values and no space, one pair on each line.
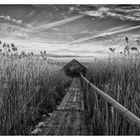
70,69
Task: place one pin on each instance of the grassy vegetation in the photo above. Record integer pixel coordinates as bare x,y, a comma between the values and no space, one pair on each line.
119,77
29,88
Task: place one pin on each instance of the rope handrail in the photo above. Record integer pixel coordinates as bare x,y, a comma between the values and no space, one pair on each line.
120,108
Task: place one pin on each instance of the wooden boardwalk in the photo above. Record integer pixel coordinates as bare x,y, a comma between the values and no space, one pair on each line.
69,118
75,115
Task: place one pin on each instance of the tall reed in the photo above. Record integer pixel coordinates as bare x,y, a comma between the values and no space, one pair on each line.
25,93
119,77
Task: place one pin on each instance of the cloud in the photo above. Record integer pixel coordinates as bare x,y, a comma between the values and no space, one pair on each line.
128,13
15,31
97,13
104,34
20,22
123,17
6,25
116,28
11,19
127,9
37,37
71,8
125,13
31,13
58,23
93,13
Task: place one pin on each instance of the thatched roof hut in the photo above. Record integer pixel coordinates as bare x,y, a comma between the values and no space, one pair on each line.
74,68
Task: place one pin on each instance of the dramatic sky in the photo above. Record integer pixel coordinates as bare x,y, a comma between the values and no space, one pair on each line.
72,30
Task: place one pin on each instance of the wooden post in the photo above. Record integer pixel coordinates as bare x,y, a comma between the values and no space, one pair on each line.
132,118
109,119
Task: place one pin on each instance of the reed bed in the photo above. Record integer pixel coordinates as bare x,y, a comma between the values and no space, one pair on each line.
119,77
29,89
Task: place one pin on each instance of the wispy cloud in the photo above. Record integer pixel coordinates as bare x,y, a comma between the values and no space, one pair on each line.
58,23
11,19
40,32
4,25
116,28
97,13
131,13
104,34
123,17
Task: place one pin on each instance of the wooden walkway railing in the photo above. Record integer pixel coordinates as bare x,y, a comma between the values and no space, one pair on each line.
111,107
111,102
76,113
71,117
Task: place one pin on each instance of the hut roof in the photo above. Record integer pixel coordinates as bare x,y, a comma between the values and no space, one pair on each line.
74,63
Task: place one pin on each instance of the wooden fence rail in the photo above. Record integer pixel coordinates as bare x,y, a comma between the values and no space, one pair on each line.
84,113
111,102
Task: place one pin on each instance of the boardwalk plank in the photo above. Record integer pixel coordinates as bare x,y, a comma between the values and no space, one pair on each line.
69,118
